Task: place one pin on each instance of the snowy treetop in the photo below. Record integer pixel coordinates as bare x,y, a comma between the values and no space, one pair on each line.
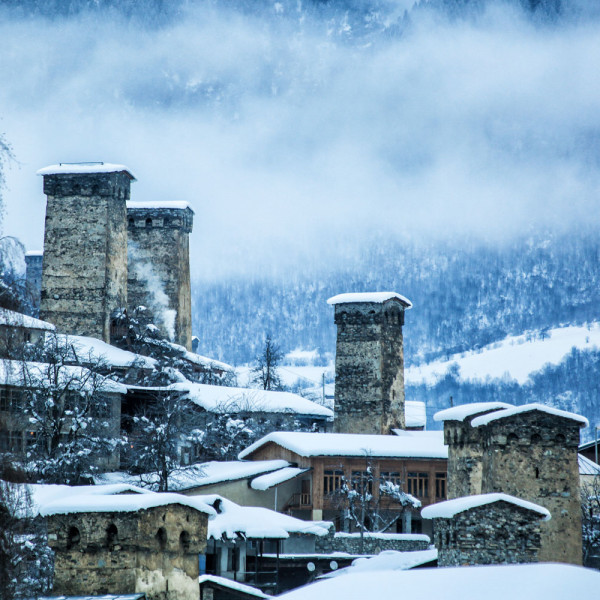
35,374
525,408
84,168
10,318
221,399
429,445
372,297
157,204
121,503
264,482
462,412
450,508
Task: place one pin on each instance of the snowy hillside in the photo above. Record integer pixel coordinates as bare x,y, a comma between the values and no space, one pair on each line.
515,357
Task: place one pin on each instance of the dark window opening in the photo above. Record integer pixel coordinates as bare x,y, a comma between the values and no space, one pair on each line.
184,540
161,538
111,535
73,537
148,222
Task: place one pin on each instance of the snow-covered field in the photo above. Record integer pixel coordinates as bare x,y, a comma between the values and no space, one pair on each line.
514,357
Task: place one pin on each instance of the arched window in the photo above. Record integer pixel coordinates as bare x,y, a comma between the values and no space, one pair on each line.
161,538
148,222
131,221
73,537
560,439
512,439
184,541
536,438
112,534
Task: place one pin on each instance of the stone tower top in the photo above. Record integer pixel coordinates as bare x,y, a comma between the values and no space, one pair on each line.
369,363
176,215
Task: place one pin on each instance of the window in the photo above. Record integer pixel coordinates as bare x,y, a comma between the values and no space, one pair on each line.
362,482
391,476
148,222
112,536
440,486
73,537
11,400
332,481
418,484
161,538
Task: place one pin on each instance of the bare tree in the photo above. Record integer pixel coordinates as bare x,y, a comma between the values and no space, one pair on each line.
265,371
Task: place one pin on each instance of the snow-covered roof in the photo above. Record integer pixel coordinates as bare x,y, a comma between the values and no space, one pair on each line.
208,473
450,508
462,412
222,399
430,445
587,466
171,204
372,297
34,253
264,482
35,374
233,521
84,167
203,361
388,560
84,348
84,503
378,535
233,585
525,408
10,318
536,581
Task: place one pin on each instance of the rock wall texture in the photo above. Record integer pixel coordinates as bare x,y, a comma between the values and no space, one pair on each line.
153,551
534,456
159,268
372,543
496,533
369,367
84,275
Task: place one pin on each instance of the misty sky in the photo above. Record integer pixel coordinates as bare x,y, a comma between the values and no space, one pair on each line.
293,135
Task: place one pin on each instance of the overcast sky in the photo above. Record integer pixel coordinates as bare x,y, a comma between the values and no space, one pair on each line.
294,136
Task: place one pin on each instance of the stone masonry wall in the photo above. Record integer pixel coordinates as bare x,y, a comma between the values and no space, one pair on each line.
369,367
498,533
153,551
159,261
534,456
373,543
84,275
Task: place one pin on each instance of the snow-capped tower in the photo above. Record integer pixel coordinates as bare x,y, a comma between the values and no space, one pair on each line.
159,265
84,274
369,362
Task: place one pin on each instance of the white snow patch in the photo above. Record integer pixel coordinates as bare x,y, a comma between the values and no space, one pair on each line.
264,482
372,297
460,413
10,318
450,508
232,585
514,357
517,410
84,167
173,204
416,444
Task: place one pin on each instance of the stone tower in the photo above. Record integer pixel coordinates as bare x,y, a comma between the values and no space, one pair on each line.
84,276
33,277
369,362
465,450
159,265
530,451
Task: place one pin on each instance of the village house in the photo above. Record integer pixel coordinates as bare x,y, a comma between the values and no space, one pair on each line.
415,461
18,330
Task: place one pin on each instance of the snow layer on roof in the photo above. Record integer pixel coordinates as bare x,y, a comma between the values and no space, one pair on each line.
34,253
388,560
84,167
415,413
121,503
203,474
233,585
460,413
173,204
449,508
218,398
256,522
497,582
35,374
91,348
430,445
374,297
525,408
377,535
587,466
10,318
264,482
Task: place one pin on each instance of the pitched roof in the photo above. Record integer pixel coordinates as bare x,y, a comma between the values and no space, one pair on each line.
10,318
371,297
518,410
413,444
463,411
